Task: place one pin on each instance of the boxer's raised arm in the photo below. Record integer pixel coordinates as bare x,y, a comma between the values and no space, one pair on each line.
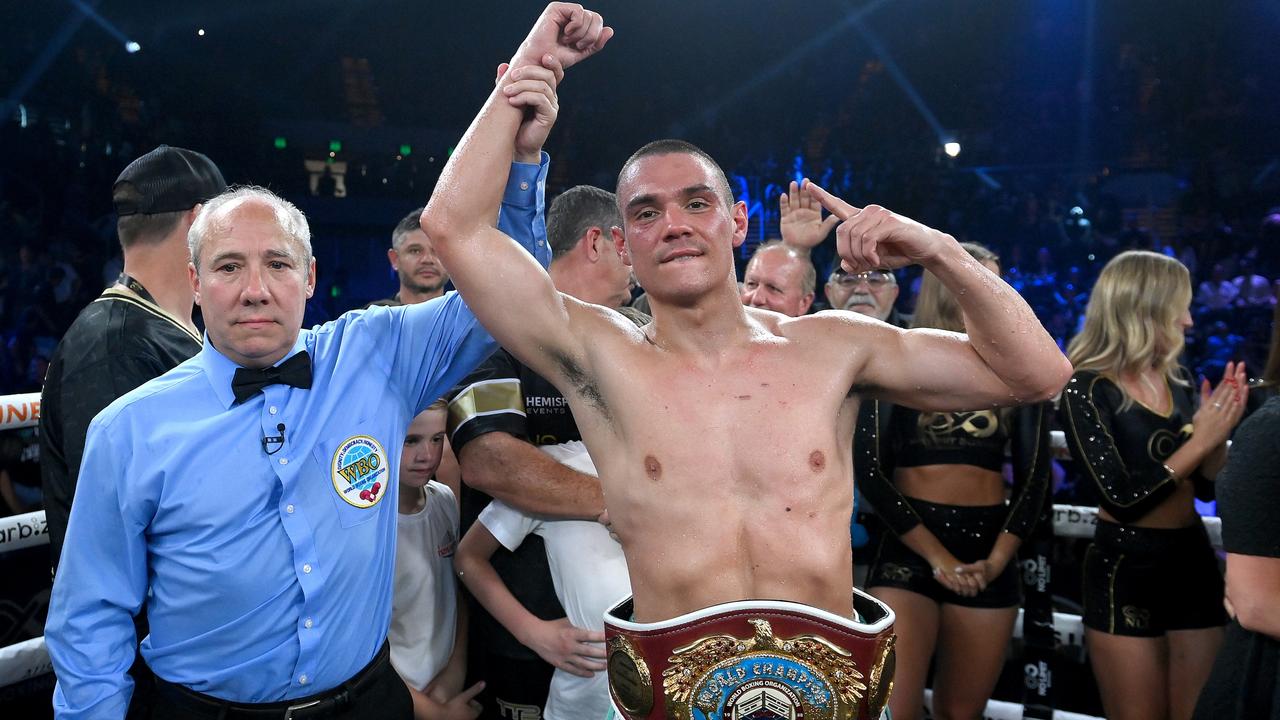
1007,357
506,288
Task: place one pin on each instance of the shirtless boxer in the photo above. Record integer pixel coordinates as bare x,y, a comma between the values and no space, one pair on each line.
722,432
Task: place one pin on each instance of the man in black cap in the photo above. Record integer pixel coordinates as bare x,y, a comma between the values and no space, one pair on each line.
138,329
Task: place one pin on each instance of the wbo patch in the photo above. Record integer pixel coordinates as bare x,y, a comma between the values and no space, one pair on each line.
359,471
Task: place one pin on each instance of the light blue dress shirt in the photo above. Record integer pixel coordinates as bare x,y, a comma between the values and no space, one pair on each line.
265,577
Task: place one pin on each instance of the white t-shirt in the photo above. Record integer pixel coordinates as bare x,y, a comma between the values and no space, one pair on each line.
589,574
424,604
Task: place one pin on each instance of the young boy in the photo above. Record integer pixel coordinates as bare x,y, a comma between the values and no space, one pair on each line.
427,635
589,574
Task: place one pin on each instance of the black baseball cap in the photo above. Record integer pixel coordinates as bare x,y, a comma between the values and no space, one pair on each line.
167,179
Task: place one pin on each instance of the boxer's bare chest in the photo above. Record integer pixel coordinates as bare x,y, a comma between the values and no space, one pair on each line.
762,423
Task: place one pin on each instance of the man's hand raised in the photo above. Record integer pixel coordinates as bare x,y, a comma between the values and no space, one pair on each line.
802,224
874,237
568,31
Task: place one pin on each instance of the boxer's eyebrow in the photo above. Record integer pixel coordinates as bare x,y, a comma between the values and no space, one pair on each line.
637,201
700,189
652,198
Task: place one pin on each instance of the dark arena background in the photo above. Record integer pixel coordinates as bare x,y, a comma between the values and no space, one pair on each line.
1059,133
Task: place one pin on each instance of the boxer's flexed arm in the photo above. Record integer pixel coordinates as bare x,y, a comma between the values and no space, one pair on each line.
507,290
1007,358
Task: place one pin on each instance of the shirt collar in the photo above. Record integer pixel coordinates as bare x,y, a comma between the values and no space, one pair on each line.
219,368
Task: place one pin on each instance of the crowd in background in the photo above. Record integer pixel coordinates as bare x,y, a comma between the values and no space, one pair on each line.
60,250
1162,153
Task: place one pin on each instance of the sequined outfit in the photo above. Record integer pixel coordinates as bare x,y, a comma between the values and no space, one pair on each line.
1139,581
1123,449
892,436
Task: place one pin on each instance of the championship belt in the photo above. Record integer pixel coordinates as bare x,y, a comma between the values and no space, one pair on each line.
752,660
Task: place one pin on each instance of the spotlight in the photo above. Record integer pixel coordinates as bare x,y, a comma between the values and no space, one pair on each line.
132,47
200,32
951,148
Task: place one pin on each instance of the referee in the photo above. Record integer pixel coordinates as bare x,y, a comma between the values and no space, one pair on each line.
248,497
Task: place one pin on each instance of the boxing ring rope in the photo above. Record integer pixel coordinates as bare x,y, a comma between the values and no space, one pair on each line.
19,411
1001,710
30,658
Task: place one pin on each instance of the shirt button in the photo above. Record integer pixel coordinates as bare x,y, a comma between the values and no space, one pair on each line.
524,185
302,680
308,624
284,461
306,568
272,409
288,509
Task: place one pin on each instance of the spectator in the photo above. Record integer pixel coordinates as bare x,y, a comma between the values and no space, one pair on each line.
1217,293
1245,676
872,293
428,620
414,261
1152,590
589,573
498,418
1252,289
779,278
948,565
139,328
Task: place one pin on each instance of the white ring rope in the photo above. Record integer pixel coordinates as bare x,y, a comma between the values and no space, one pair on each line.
23,531
29,658
1000,710
1068,629
1080,521
23,661
19,411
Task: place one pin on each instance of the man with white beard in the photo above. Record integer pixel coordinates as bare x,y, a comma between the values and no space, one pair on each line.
871,293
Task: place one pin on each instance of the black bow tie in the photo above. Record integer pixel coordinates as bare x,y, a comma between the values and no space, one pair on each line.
295,371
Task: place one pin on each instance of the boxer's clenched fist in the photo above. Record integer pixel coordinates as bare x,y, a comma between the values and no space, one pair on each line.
568,31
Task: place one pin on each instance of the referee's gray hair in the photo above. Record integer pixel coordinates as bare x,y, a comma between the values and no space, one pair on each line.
288,217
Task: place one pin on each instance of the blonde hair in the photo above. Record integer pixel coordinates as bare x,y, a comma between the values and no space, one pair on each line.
936,307
1131,322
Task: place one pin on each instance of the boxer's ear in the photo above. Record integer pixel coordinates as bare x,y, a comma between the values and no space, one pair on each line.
739,215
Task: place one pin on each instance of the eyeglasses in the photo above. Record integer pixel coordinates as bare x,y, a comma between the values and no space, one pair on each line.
874,279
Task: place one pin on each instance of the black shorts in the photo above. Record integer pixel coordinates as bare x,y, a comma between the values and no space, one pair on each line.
969,533
515,689
1143,582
